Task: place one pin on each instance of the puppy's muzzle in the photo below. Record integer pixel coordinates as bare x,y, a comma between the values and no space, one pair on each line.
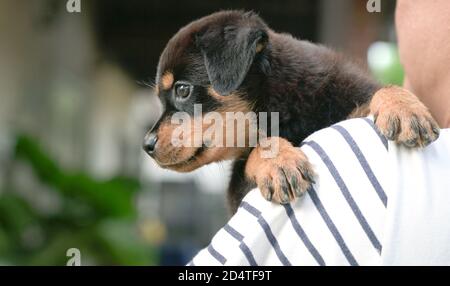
149,144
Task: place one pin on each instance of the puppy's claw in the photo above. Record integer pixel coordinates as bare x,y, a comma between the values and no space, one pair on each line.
393,128
410,143
269,190
295,186
285,198
269,194
436,130
307,174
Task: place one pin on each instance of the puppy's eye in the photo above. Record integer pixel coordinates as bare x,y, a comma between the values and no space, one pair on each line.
183,90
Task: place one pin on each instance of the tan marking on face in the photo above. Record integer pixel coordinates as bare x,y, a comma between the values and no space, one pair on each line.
232,102
165,153
259,47
235,103
167,80
214,93
184,159
210,155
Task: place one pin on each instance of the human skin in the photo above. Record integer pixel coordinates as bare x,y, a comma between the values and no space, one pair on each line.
423,30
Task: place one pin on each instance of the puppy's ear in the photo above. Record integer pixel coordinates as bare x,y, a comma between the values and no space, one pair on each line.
229,53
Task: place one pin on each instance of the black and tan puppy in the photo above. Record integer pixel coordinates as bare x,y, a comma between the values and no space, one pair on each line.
231,61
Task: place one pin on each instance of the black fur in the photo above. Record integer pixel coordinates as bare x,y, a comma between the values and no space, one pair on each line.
229,50
309,85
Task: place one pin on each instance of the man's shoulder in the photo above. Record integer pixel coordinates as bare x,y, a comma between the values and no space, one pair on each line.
350,155
339,220
349,130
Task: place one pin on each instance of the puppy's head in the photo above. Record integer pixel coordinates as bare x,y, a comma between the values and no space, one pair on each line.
209,63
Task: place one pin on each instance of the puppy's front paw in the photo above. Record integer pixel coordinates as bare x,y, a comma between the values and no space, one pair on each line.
401,117
282,177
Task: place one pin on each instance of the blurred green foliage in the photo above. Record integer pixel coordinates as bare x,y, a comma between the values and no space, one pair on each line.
384,63
97,217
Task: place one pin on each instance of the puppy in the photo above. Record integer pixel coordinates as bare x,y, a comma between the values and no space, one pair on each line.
231,61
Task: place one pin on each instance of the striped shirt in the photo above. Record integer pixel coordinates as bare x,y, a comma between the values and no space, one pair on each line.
345,218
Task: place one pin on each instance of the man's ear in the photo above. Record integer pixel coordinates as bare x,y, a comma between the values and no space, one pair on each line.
229,53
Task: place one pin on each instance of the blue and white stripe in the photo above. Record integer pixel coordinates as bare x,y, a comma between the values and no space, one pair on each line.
338,222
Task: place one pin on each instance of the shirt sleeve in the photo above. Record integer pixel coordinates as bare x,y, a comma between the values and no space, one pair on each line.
339,221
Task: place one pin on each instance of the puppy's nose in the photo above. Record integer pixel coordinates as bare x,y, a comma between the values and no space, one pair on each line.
150,141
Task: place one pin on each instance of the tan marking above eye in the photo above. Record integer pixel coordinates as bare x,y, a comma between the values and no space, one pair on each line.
260,47
233,102
214,93
167,80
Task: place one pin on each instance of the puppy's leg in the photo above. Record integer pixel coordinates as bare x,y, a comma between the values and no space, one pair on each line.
402,117
239,185
282,177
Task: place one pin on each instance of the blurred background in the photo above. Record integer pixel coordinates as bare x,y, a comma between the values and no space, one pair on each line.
75,105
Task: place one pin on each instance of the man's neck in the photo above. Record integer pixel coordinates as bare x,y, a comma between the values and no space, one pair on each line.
437,100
